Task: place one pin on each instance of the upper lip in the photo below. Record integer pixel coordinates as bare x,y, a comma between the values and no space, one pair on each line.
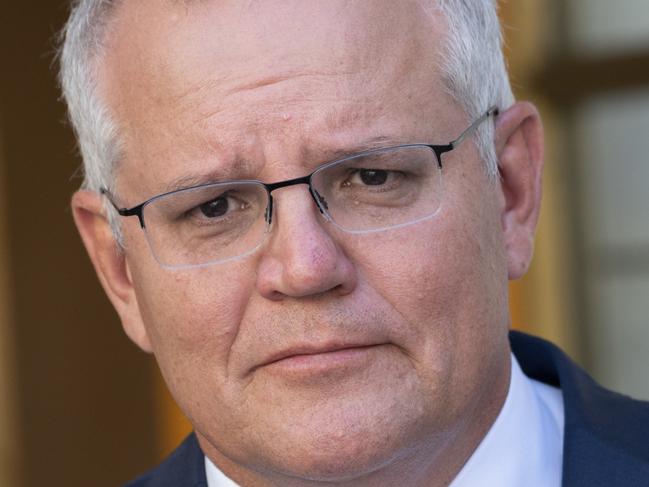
312,349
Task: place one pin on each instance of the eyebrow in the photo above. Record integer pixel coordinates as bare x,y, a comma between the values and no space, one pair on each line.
376,142
231,172
222,171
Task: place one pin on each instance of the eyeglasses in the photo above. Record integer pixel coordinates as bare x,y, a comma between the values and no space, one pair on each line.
371,191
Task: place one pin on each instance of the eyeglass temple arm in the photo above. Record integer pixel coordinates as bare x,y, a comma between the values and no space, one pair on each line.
493,111
135,211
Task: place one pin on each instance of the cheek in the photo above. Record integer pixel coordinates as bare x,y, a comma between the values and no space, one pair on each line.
446,278
193,318
436,270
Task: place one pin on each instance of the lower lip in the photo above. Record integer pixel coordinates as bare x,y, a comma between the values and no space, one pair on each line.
321,363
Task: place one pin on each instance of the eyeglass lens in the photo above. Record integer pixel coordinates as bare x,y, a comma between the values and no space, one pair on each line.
376,190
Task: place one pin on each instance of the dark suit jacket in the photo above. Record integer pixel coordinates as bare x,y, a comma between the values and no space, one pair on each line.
606,438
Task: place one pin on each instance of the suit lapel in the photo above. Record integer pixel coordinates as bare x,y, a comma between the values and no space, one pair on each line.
606,434
185,467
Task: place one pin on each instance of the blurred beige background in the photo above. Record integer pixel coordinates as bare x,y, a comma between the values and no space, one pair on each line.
81,406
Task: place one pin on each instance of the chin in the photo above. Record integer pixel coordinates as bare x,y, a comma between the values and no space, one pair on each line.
339,460
347,444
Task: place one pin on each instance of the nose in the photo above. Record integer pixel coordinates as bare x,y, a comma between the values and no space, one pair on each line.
302,258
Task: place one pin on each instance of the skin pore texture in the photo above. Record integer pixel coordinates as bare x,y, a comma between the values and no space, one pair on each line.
324,357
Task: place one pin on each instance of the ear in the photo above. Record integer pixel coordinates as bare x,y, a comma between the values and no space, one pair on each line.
110,263
519,147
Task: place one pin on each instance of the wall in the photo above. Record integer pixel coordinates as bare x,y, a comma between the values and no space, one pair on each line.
8,434
81,391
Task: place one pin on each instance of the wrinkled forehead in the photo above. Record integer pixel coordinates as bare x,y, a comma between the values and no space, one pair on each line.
232,43
176,73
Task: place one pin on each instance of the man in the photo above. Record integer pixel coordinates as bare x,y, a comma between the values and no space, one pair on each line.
309,212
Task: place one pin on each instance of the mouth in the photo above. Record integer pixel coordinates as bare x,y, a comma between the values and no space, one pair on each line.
320,359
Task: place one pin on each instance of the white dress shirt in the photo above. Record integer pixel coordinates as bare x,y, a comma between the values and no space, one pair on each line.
216,478
523,447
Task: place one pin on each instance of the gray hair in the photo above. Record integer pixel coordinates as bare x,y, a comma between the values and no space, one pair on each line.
473,66
473,69
82,43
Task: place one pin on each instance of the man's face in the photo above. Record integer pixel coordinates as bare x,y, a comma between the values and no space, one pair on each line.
270,90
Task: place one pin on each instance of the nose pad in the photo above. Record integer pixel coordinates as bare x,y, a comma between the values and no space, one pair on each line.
269,210
320,201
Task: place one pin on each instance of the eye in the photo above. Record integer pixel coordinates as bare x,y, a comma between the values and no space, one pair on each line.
371,177
215,208
219,208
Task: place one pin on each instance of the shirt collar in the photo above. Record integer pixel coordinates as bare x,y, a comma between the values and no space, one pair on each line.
525,444
216,478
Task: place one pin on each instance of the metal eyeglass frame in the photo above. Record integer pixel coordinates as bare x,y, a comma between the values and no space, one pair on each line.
138,210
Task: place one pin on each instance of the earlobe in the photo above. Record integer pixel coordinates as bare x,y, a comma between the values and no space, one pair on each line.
519,146
110,263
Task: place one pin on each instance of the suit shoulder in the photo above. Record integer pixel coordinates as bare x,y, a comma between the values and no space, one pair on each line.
185,467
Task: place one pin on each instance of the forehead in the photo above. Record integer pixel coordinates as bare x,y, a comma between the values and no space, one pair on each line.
185,78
